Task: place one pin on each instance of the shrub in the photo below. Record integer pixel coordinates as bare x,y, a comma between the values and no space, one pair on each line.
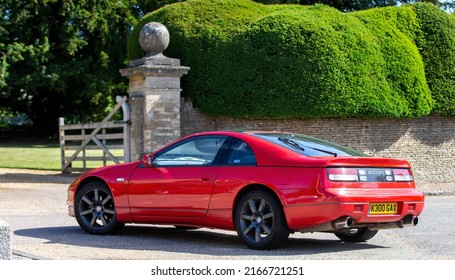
250,60
437,48
397,30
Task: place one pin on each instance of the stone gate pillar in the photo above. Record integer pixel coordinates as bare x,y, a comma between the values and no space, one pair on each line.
154,93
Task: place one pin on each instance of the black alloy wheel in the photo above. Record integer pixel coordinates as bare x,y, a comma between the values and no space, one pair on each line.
355,235
95,210
260,221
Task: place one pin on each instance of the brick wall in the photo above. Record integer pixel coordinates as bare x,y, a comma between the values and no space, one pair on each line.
427,143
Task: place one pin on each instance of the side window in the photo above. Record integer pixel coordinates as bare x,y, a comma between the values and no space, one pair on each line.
196,151
241,154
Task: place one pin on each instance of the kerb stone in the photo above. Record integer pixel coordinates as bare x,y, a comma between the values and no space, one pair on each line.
5,241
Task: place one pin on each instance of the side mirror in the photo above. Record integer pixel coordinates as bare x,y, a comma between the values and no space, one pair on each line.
148,160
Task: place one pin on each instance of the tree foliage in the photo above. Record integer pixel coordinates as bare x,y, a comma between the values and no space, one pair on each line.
357,5
348,5
61,57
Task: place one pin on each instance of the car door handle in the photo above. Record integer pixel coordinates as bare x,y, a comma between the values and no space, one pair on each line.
205,179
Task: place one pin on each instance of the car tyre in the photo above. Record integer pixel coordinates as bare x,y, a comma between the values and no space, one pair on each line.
356,235
260,221
95,209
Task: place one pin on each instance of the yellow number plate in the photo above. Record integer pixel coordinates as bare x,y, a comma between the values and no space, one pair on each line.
383,208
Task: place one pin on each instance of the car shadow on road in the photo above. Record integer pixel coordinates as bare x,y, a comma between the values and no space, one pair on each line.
200,241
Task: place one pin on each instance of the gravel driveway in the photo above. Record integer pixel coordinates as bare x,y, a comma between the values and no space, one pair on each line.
33,204
19,202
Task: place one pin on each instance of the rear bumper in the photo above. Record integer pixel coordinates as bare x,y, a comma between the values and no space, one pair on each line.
309,215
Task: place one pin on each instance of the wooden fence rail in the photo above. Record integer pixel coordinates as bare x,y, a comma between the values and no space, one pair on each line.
86,146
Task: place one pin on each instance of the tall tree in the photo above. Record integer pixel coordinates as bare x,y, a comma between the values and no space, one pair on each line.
61,57
347,5
355,5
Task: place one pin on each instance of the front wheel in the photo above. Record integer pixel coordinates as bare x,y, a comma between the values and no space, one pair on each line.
95,210
356,235
260,221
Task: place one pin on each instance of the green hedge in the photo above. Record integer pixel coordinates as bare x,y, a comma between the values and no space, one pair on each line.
250,60
397,30
437,45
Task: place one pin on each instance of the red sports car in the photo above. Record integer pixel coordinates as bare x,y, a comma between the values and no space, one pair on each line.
264,185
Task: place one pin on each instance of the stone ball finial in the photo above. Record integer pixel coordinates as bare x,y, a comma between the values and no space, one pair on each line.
154,38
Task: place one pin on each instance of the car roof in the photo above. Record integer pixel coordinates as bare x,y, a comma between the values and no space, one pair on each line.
270,154
266,152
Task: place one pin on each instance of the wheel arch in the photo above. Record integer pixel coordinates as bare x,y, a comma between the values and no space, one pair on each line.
89,180
253,187
99,203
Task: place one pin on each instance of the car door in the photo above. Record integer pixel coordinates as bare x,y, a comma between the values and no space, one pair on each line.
238,168
180,181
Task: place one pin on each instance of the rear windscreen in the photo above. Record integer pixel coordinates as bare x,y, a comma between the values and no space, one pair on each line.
308,146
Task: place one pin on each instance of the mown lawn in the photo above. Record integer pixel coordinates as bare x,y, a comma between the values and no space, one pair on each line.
21,151
43,157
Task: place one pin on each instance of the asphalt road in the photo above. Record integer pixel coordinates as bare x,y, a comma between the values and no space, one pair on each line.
34,205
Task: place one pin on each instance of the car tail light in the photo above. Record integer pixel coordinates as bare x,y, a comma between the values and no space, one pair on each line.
344,174
403,175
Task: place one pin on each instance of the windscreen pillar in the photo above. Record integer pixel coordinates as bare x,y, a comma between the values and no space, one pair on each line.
154,93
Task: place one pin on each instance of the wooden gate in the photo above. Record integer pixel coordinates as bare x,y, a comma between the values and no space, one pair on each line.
87,146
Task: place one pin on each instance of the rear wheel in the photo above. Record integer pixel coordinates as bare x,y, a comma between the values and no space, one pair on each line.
260,221
356,235
95,210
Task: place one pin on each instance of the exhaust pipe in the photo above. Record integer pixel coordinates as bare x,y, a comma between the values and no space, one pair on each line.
347,222
342,223
409,221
